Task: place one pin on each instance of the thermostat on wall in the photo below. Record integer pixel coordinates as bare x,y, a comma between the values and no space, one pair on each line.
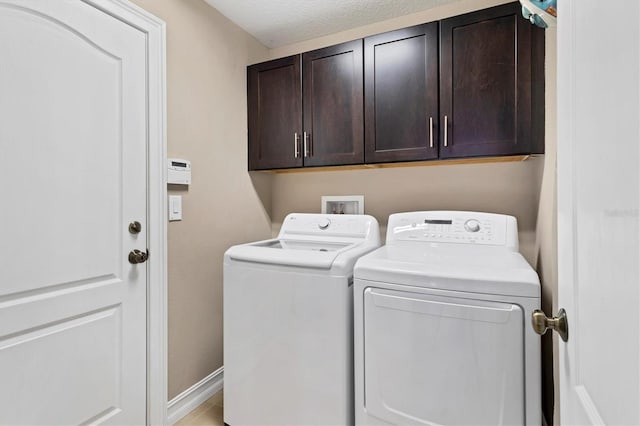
179,171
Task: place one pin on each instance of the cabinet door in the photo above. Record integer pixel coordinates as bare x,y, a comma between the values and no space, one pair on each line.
401,95
274,114
333,110
490,61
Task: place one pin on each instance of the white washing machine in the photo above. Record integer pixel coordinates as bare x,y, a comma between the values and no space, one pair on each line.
442,324
288,322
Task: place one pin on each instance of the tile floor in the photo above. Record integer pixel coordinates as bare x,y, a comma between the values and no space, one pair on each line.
209,413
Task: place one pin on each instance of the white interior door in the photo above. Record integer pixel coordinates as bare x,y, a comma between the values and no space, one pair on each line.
598,201
73,150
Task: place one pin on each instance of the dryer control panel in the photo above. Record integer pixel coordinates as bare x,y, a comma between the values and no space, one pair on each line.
454,227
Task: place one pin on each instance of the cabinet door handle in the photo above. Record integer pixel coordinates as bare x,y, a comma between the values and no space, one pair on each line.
446,128
306,148
296,140
430,132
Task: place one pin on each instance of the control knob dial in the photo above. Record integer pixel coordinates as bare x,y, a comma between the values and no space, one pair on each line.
472,225
324,223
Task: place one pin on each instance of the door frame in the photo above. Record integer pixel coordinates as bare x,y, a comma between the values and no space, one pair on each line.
155,32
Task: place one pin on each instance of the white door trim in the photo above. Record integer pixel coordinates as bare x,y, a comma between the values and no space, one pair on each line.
155,31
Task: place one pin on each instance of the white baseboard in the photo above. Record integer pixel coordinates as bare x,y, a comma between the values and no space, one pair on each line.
191,398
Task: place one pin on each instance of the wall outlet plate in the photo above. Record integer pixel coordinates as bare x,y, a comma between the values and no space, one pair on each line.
342,204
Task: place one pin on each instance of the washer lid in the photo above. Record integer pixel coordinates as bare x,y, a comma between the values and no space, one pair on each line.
473,269
311,254
326,241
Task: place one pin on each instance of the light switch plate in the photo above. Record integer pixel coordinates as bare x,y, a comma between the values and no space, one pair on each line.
175,207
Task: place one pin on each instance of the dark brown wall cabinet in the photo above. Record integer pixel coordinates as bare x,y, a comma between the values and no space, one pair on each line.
491,84
307,110
401,95
275,114
467,86
486,98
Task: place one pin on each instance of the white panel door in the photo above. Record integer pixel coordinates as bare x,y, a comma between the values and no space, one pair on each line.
73,172
598,201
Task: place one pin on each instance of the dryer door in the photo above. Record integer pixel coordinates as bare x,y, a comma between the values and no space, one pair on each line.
442,360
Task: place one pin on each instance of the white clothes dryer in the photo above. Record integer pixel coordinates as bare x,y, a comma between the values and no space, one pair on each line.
288,322
442,324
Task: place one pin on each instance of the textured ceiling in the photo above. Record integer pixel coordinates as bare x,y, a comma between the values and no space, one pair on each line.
280,22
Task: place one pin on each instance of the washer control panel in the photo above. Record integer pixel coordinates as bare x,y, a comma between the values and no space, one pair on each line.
454,227
303,224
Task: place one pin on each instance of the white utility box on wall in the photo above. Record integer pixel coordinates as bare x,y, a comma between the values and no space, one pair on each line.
342,204
179,172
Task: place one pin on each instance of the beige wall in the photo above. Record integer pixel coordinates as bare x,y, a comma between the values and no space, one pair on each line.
546,230
510,188
206,109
